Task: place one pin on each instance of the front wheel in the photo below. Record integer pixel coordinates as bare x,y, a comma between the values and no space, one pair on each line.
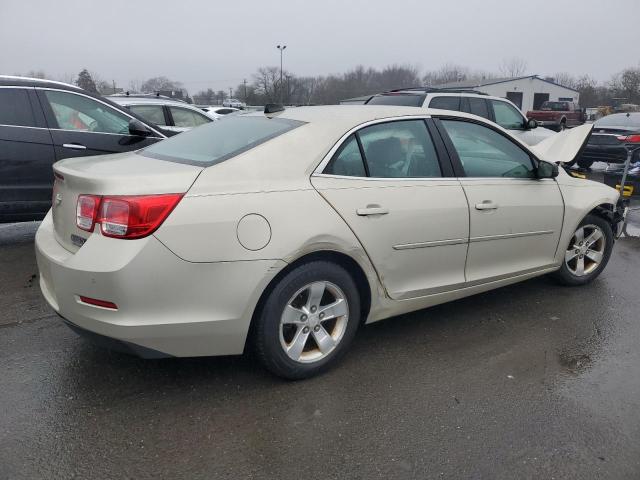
308,320
588,252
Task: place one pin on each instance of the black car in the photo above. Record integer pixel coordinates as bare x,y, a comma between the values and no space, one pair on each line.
42,122
613,136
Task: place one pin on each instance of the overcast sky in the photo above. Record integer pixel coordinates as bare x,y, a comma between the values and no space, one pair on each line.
208,43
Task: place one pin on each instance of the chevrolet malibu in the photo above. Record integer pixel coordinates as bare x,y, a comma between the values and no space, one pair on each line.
286,230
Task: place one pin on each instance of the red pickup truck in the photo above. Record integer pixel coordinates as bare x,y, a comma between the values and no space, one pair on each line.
558,115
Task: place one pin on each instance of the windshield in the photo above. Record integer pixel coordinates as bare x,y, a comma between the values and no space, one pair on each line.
218,141
619,120
555,106
398,99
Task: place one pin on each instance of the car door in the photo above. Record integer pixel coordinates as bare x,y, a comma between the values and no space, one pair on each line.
183,119
26,156
81,125
398,196
515,218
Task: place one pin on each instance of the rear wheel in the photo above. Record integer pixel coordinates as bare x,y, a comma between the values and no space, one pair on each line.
588,252
308,320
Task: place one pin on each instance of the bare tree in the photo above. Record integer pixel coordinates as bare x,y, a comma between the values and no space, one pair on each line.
513,67
157,84
565,79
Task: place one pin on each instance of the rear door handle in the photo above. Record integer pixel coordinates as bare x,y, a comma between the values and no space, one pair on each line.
371,210
74,146
486,205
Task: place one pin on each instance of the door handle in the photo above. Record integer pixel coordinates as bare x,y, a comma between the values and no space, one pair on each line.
486,205
74,146
371,210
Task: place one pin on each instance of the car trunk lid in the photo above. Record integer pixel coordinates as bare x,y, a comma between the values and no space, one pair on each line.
120,174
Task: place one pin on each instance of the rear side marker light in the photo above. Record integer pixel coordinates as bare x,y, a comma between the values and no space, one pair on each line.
128,217
98,303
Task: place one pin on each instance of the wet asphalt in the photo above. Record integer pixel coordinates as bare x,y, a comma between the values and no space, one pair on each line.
528,381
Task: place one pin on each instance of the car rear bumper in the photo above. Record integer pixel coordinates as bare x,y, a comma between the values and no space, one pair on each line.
165,306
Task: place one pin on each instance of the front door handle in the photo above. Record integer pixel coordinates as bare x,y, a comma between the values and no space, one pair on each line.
372,210
486,205
74,146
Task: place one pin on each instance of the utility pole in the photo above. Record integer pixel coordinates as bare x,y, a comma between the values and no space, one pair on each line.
281,48
244,82
114,86
230,94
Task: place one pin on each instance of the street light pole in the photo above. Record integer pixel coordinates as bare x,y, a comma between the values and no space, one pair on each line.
281,48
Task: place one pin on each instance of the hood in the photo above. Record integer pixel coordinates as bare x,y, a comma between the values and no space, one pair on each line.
564,147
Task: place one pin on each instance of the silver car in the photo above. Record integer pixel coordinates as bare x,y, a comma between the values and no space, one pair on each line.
170,115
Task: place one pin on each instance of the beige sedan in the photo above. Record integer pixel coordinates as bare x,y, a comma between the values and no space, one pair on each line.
285,231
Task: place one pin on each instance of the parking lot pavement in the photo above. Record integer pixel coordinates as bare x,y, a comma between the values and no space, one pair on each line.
528,381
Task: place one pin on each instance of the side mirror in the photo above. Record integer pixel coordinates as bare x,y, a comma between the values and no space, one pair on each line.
139,129
531,124
547,170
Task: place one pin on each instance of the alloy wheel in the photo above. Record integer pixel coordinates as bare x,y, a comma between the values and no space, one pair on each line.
586,250
314,321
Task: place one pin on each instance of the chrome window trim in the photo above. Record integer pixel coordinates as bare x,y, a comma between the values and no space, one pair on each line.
448,180
105,104
317,172
23,126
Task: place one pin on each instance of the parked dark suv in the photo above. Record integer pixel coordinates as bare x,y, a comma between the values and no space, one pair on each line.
42,122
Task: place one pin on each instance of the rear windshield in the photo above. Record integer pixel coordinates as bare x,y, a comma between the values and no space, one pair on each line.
218,141
555,106
619,120
399,99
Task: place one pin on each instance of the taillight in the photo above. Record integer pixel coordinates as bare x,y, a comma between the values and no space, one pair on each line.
86,211
134,216
630,139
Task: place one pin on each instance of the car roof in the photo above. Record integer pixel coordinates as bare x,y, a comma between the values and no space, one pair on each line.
340,118
15,80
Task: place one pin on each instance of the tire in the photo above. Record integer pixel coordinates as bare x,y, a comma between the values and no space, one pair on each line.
562,127
290,308
570,273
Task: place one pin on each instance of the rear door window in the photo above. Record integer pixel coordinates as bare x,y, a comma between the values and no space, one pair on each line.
478,106
15,108
347,161
401,149
445,103
151,113
186,118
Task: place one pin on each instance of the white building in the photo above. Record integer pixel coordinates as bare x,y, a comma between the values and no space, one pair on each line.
527,93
